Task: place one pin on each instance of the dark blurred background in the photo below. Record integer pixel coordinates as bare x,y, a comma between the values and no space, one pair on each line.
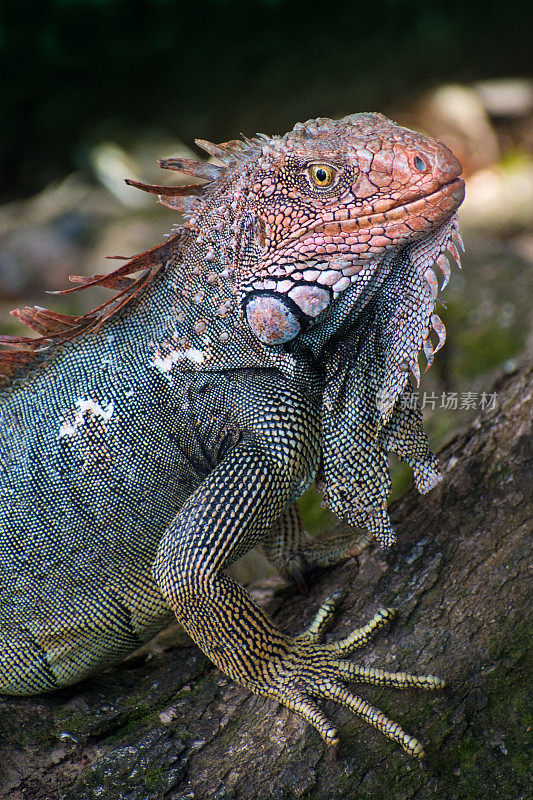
92,91
74,72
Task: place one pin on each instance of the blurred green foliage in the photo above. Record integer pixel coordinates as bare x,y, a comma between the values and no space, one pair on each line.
316,518
74,71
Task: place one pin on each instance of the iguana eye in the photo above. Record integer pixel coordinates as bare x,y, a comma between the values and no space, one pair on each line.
322,175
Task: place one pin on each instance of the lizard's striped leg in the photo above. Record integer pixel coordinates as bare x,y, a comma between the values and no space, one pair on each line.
334,547
293,551
283,546
226,516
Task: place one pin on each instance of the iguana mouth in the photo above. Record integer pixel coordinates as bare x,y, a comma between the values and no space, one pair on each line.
349,219
454,188
428,208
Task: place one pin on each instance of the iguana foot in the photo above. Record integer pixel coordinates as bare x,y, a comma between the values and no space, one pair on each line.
326,550
293,551
313,671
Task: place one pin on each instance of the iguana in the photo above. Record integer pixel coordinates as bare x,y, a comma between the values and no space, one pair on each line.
148,444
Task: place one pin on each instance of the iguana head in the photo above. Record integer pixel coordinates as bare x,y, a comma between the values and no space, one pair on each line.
325,200
305,216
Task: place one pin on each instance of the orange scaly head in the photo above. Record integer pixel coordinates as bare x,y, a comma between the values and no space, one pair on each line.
295,221
329,197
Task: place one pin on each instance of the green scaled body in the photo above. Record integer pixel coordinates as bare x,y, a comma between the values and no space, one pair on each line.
149,444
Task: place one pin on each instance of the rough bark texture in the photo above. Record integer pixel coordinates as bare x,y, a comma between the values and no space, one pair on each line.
171,726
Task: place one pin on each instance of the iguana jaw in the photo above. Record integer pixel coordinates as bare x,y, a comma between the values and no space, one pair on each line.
425,255
434,207
278,309
359,237
440,204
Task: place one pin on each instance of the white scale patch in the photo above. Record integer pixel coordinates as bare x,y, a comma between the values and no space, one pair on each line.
165,363
69,427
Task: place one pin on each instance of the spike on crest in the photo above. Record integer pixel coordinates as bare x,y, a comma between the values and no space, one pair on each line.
415,369
200,169
178,198
431,282
18,352
109,281
167,191
458,239
215,150
455,253
427,346
184,205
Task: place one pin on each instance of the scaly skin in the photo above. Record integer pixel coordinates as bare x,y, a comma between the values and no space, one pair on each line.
148,445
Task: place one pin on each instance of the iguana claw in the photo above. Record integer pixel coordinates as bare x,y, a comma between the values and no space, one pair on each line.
314,671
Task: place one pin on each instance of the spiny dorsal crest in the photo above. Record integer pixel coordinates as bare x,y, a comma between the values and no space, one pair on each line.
18,352
128,280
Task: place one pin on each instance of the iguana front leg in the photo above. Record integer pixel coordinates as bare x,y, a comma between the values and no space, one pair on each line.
292,550
230,513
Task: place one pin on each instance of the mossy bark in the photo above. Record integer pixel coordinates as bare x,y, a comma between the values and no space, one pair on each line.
171,726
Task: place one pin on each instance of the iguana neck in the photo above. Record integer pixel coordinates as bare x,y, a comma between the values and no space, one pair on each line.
200,324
